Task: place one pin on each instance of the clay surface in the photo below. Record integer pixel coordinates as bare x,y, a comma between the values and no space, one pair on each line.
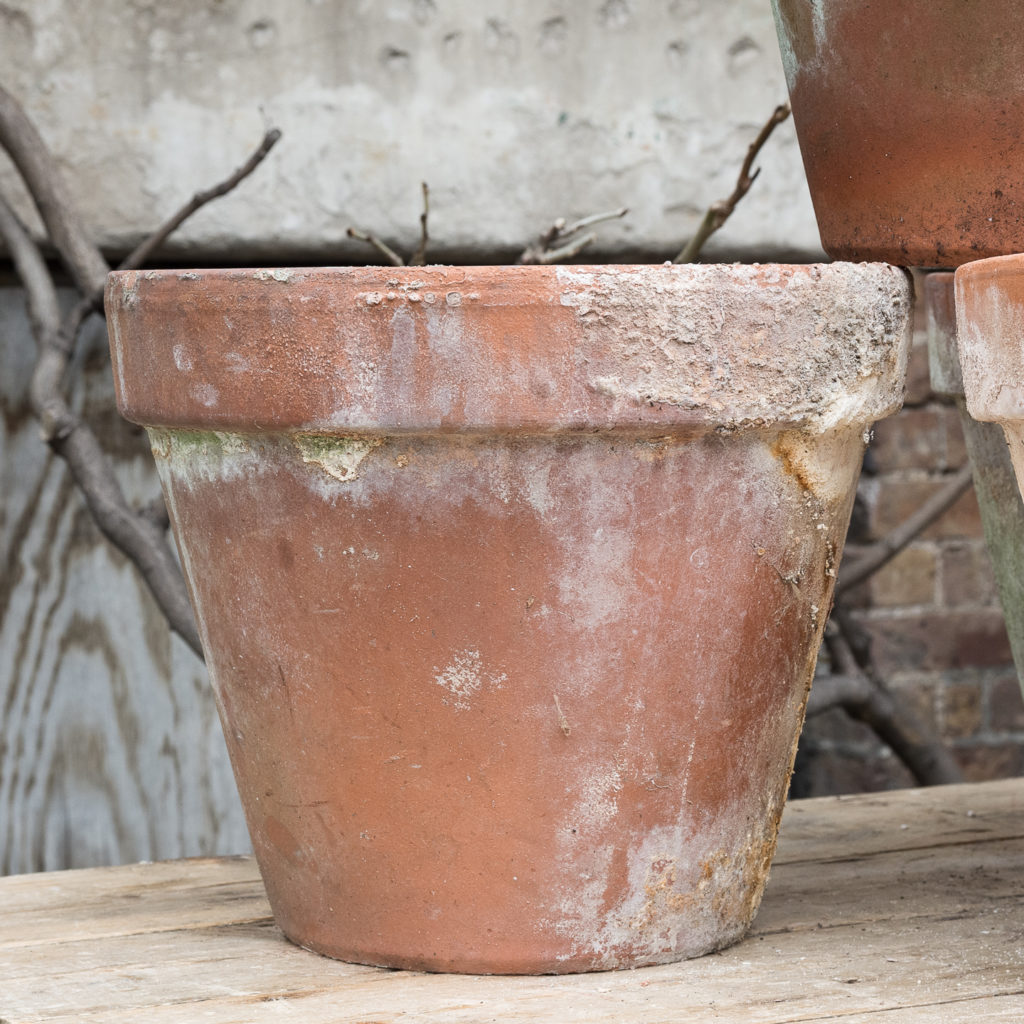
522,349
990,330
510,609
910,116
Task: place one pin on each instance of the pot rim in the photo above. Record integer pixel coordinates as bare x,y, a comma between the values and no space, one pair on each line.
989,298
659,349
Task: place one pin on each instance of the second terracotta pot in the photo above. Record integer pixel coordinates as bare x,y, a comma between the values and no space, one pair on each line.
511,582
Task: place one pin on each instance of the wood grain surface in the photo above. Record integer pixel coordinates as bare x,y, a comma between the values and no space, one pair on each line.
110,748
895,908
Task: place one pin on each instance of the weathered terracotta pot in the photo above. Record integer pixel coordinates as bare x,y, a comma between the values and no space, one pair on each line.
990,337
511,582
1002,511
910,116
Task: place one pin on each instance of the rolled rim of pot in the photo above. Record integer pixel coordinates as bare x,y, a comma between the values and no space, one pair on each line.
990,337
658,350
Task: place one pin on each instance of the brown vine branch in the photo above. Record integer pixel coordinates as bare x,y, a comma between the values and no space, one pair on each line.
419,257
385,250
141,535
857,687
558,242
143,252
39,171
719,212
141,539
872,558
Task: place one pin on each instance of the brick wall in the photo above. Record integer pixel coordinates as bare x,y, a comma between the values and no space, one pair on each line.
933,612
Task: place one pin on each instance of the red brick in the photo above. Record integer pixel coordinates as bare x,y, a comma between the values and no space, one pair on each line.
919,381
917,692
961,710
1005,704
909,579
939,640
896,500
914,438
956,448
967,577
981,762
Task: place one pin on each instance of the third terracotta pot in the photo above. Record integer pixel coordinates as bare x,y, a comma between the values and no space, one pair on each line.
910,116
511,582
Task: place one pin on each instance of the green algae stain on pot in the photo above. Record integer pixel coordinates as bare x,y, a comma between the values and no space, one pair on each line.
339,457
208,455
205,454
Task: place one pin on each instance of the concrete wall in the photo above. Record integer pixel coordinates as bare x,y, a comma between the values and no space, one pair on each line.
515,113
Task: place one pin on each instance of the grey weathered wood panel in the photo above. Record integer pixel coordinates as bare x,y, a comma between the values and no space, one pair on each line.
110,748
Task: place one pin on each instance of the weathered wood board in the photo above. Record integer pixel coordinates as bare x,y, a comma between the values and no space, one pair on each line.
896,908
110,748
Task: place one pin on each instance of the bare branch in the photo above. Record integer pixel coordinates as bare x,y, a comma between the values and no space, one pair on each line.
40,293
38,169
557,243
595,218
77,316
419,257
137,536
859,689
388,253
876,555
143,252
156,513
719,212
567,251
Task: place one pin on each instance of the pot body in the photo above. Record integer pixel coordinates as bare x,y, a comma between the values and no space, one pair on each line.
910,116
511,582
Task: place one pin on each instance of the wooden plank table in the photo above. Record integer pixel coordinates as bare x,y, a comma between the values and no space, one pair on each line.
884,908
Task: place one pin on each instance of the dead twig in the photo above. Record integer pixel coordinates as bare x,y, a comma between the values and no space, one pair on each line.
558,242
857,687
39,171
386,251
142,540
719,212
141,535
419,257
142,253
872,558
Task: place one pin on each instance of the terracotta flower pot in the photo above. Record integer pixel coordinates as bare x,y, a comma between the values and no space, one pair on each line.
990,336
1002,512
910,115
511,582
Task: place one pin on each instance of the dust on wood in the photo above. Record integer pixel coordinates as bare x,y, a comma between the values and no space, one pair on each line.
863,919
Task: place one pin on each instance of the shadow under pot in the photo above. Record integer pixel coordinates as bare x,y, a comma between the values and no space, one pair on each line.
511,582
910,116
